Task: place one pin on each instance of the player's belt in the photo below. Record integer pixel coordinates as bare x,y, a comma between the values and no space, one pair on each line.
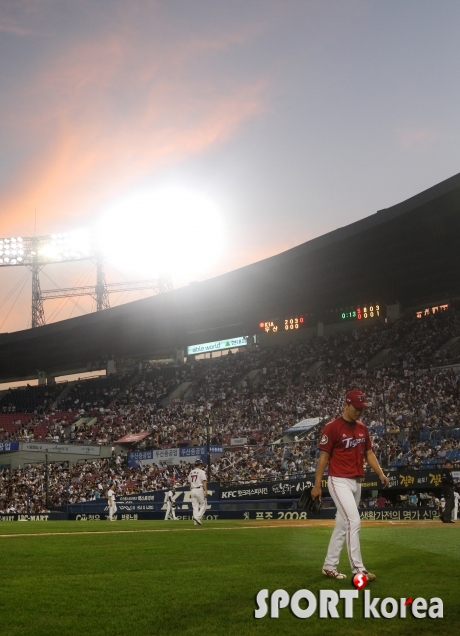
356,477
196,487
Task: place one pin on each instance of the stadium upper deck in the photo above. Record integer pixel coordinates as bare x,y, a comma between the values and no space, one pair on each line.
407,253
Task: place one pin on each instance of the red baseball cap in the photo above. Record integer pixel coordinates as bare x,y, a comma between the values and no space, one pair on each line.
356,399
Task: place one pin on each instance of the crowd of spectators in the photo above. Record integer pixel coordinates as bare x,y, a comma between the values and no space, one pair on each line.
24,489
413,417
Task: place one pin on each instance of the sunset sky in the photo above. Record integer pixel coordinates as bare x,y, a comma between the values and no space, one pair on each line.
293,117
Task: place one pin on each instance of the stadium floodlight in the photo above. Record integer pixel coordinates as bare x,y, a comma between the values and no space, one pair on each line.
43,250
37,251
68,247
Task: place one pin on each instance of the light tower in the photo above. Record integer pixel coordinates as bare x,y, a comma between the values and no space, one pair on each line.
102,297
38,251
38,312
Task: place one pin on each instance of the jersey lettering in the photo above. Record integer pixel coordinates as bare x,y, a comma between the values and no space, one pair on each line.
352,442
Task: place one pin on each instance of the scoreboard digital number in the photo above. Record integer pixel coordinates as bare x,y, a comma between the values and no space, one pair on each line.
362,313
280,325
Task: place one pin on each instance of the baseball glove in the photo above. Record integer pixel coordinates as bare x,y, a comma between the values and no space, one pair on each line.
309,504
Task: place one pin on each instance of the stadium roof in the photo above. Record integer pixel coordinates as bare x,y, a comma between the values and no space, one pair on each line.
407,253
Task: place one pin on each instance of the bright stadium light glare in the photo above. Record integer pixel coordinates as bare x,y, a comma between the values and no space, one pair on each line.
172,230
77,244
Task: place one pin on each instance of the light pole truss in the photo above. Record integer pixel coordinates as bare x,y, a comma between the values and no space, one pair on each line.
158,286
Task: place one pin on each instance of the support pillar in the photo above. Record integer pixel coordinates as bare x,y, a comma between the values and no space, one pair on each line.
38,313
102,297
111,367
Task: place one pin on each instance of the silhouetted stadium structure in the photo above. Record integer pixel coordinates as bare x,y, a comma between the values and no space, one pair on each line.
406,254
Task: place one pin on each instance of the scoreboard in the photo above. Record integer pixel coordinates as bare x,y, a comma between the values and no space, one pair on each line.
362,312
292,323
280,325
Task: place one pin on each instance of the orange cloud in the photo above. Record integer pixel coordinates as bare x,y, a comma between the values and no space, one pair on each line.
101,128
416,138
9,25
17,15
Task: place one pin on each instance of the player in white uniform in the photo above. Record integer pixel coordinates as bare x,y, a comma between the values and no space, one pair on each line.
442,505
170,505
199,491
455,509
111,502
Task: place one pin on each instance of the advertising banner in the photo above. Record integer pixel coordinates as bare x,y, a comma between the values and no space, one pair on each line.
146,502
195,452
169,456
407,479
74,449
238,441
383,515
218,345
42,516
6,447
158,496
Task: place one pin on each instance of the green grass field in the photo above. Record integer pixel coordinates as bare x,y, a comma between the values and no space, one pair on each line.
98,578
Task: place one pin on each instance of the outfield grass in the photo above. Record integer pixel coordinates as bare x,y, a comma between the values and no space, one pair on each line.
204,580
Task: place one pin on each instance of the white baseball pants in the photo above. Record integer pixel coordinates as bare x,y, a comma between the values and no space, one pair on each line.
198,503
112,511
455,510
346,494
170,511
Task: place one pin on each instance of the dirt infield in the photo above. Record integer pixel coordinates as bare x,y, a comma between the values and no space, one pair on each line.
329,523
309,523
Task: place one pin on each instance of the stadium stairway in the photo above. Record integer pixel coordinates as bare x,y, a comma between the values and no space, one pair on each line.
63,394
252,378
382,356
134,380
74,426
314,369
447,346
451,347
82,422
183,392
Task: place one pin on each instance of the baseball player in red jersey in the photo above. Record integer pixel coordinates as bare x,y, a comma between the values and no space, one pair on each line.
344,445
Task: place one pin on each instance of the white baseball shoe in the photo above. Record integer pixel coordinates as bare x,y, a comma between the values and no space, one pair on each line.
197,521
333,574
